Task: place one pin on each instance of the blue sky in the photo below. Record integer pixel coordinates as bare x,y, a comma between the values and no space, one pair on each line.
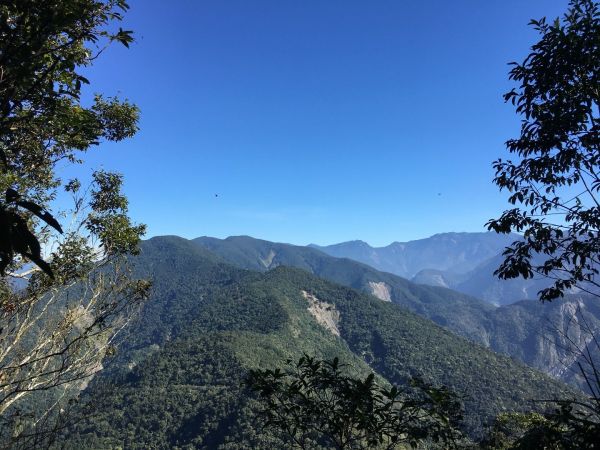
316,121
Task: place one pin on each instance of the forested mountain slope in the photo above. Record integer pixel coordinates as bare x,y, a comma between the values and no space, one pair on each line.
458,312
537,334
177,379
464,262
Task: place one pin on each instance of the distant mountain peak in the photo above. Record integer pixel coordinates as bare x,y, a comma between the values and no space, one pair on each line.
459,252
508,329
355,242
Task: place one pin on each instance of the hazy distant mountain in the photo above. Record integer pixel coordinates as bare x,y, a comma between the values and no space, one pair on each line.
179,381
482,283
533,332
464,262
455,252
441,278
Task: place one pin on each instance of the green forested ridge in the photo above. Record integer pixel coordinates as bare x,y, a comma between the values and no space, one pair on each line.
399,344
529,331
458,312
177,378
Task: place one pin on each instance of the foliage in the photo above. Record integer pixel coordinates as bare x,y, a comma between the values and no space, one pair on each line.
15,236
517,430
176,380
557,177
314,401
557,181
44,46
66,290
571,425
56,331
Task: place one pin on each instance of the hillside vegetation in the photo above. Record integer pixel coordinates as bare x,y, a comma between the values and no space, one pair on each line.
538,335
177,380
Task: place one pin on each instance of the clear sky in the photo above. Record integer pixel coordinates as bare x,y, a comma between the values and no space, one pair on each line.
316,120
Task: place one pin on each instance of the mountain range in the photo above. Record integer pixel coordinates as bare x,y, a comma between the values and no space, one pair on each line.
464,262
222,307
540,335
448,252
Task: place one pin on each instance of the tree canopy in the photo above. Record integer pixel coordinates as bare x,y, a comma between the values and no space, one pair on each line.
556,178
66,288
44,47
316,402
556,183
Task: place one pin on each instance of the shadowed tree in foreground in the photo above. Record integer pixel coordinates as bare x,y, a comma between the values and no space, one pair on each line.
556,177
315,402
555,180
66,286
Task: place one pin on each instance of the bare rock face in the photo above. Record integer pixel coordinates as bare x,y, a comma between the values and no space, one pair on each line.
380,290
268,260
556,338
573,337
432,277
325,313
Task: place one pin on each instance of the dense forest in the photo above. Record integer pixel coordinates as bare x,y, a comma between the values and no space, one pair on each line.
207,323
